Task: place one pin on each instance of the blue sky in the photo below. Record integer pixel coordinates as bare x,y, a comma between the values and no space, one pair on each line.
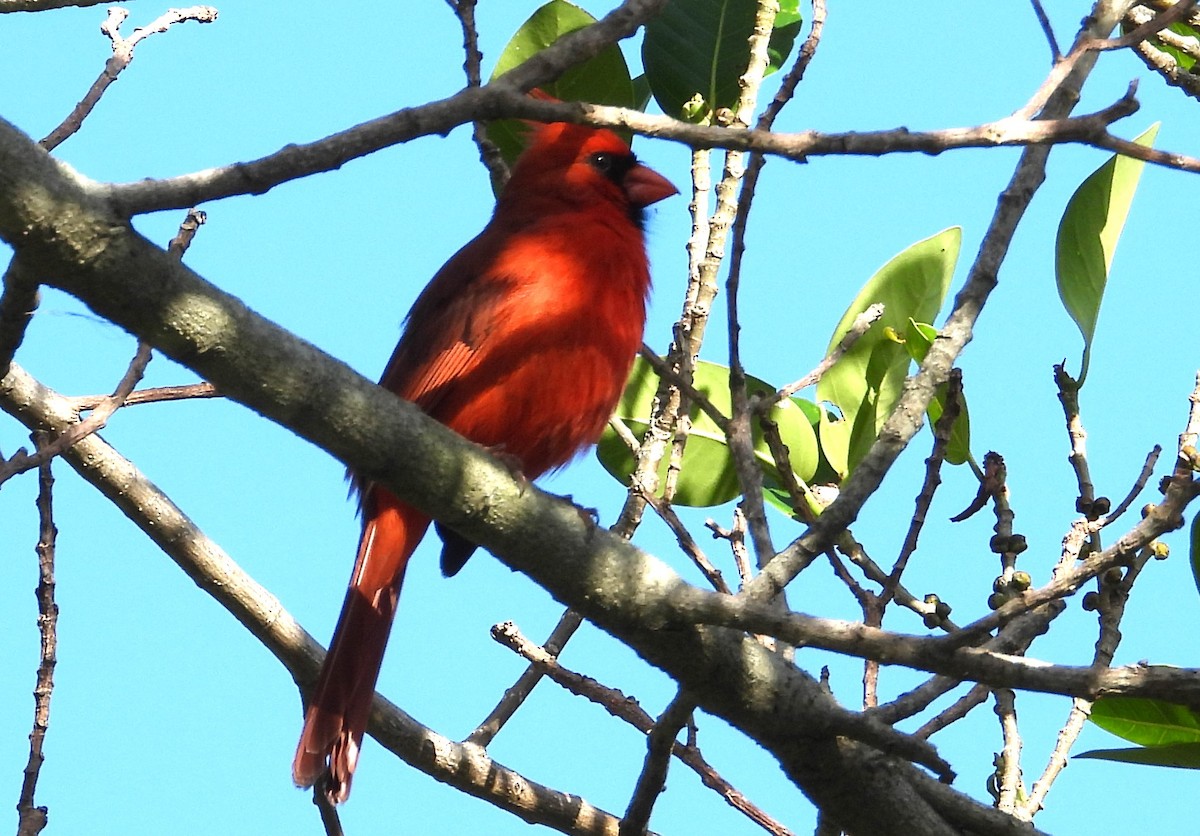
166,713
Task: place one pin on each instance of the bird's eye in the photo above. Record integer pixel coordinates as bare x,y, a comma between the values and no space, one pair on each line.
612,166
606,164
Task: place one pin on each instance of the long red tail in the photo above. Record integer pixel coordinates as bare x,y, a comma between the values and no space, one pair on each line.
341,702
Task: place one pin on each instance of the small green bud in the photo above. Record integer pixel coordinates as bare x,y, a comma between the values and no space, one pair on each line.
1021,581
1160,549
697,111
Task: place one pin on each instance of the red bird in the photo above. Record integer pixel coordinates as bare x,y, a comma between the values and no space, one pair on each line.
522,343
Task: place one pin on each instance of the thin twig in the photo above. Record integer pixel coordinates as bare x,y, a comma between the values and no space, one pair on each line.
652,781
121,58
31,818
192,221
689,545
627,709
156,394
731,216
22,461
515,696
942,429
960,708
1047,30
489,154
1148,29
862,323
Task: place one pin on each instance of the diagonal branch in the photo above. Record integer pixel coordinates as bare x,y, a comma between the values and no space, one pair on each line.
463,766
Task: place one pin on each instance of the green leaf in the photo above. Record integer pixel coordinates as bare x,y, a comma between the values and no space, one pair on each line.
788,21
699,47
1195,550
707,476
918,337
1147,722
603,79
1180,755
1087,239
866,381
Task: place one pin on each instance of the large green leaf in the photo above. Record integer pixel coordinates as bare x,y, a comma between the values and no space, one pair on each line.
1169,734
1180,755
603,79
1087,239
707,476
1147,722
699,47
865,382
918,338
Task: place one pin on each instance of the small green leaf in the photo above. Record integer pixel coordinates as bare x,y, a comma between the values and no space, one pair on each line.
917,339
1195,550
866,381
603,79
1087,239
1179,755
707,476
700,47
788,21
1147,722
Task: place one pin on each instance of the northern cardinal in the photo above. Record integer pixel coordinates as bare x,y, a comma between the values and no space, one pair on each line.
522,343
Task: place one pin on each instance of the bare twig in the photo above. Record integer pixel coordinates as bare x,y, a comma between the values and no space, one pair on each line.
862,323
515,696
192,221
1047,30
933,477
22,461
961,707
1008,764
689,545
121,57
660,742
489,154
628,710
157,394
31,818
1148,29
